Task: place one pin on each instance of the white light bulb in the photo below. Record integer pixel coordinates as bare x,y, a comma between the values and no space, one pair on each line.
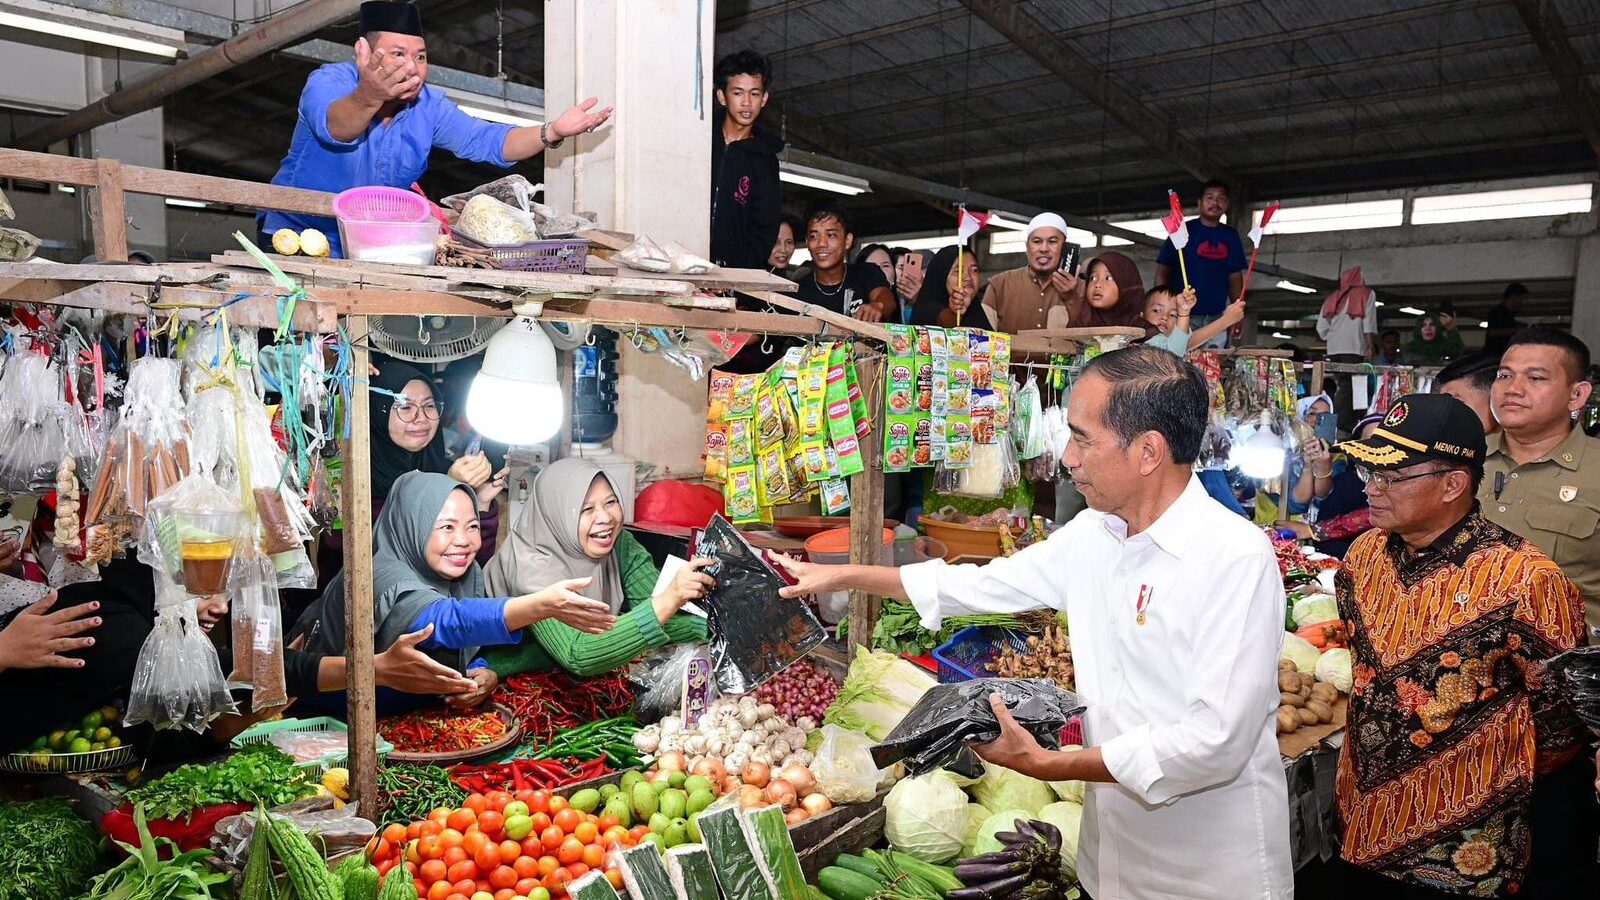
516,396
1261,455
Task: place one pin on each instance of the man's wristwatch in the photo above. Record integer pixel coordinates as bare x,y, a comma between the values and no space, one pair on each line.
544,137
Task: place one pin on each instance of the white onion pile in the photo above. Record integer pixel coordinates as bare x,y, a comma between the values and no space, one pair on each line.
740,731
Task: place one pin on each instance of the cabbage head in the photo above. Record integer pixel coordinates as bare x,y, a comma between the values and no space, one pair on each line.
1065,816
1004,820
1002,788
1315,608
1301,652
926,817
1334,668
977,814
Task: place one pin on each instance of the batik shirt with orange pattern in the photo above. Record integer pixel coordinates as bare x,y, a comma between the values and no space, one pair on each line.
1447,726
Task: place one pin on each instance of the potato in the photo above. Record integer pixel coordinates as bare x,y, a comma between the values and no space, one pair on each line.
1307,681
1325,692
1307,717
1288,721
1285,665
1289,682
1288,699
1323,711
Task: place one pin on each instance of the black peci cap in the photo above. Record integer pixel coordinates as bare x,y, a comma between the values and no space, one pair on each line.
1420,427
383,15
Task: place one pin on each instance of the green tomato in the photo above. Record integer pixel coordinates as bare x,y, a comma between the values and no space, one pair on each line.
539,893
515,808
482,895
519,826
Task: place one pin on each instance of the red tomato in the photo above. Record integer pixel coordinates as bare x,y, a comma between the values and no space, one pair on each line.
502,877
439,815
487,857
498,800
571,851
540,802
483,886
477,803
465,870
613,835
451,837
439,890
638,832
509,851
525,867
578,870
557,881
588,832
432,871
526,796
492,823
541,821
413,831
594,855
557,804
397,834
465,887
548,864
411,868
567,820
384,850
605,822
525,886
615,877
430,847
475,841
457,896
552,837
455,855
505,894
384,867
461,819
430,827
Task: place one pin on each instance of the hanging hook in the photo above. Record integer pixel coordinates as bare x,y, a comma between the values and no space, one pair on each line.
766,342
588,341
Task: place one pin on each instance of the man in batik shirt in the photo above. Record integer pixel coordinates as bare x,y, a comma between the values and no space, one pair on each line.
1450,616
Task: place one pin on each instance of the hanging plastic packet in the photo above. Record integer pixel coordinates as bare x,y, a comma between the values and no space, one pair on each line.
937,730
146,454
685,262
645,255
257,632
753,633
282,519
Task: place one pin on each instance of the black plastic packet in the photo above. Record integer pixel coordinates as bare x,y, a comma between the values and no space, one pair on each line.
753,633
936,732
1576,675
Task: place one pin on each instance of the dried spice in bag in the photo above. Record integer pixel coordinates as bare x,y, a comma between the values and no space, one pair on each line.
753,633
936,731
146,454
257,632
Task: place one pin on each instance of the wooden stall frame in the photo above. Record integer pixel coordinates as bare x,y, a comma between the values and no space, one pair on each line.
193,292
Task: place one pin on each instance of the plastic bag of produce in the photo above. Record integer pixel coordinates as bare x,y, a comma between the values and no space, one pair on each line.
689,867
937,730
753,633
645,255
257,632
844,768
1576,673
732,857
659,677
495,224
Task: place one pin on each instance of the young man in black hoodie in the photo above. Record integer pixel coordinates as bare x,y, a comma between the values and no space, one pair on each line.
746,200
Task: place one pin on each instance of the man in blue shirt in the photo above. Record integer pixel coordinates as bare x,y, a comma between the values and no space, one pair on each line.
1214,257
374,121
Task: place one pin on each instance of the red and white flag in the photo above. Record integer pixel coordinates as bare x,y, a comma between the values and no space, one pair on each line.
969,223
1259,230
1177,228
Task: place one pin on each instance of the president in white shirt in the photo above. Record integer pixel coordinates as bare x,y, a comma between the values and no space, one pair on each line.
1176,611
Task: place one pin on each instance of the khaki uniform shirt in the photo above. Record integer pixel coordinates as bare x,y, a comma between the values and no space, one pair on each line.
1555,503
1019,303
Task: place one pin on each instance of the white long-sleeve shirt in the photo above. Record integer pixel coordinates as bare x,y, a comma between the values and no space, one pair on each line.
1346,335
1181,706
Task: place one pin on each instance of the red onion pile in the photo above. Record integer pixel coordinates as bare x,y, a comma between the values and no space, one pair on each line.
804,690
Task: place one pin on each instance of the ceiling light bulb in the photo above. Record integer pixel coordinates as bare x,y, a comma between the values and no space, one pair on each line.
1261,455
516,396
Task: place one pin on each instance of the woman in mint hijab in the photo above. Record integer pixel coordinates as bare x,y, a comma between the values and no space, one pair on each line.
571,529
426,575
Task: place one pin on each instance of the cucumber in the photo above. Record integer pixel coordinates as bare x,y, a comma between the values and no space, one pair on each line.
843,884
814,893
859,864
940,878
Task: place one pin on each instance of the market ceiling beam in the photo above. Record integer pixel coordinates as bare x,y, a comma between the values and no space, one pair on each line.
836,145
148,90
1029,34
1550,34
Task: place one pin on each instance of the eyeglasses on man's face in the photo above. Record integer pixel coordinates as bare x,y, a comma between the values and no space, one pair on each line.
1383,480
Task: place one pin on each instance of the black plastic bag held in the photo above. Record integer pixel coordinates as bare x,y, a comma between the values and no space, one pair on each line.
936,732
753,633
1576,674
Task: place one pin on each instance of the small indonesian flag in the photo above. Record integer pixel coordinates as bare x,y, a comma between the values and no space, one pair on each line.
1177,228
969,223
1259,231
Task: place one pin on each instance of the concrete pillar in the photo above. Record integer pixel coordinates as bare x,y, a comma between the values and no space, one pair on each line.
648,170
1586,292
137,140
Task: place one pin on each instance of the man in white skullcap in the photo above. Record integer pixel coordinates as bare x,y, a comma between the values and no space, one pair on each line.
1021,299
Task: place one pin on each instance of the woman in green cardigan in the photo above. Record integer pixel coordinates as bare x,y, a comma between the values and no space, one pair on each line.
571,527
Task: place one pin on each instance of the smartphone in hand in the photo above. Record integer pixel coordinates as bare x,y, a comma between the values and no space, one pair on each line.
1071,254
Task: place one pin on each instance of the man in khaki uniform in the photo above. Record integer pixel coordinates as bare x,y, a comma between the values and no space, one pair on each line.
1542,474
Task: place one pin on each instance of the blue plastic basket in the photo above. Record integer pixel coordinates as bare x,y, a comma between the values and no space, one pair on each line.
967,655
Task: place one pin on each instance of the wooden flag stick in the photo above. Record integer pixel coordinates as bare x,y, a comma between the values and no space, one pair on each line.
1244,287
1183,268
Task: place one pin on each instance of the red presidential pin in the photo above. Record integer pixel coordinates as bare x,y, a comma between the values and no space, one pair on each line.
1146,592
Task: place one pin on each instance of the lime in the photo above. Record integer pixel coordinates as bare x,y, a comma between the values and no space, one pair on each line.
108,714
79,745
58,739
102,734
40,742
114,742
40,759
91,721
98,745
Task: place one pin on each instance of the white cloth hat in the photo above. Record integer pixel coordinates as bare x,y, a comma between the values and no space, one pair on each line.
1047,220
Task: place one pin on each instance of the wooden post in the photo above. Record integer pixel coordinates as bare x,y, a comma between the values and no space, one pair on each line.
356,500
866,507
108,212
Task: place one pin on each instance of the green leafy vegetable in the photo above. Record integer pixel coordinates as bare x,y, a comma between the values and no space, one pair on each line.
899,629
878,691
259,774
144,875
46,850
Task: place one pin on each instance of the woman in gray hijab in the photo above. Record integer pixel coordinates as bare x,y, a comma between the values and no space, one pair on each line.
571,528
425,574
